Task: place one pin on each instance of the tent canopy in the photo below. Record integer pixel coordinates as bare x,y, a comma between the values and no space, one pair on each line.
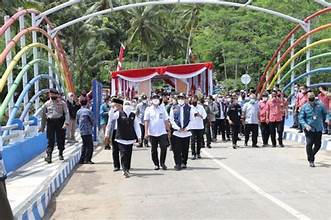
196,76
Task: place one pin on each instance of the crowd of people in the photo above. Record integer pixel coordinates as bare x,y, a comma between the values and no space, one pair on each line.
182,121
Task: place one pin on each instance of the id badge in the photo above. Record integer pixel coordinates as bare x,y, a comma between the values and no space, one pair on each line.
314,117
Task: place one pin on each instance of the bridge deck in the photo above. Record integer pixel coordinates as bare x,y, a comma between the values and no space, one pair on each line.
246,183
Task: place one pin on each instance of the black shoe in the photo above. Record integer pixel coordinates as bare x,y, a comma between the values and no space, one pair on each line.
255,146
311,164
48,160
61,157
325,132
194,157
199,156
273,145
184,166
140,146
89,162
164,167
208,146
265,145
234,146
126,174
294,126
300,131
177,168
281,145
156,167
239,139
245,144
116,169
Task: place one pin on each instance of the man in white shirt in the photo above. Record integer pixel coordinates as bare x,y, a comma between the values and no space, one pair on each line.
250,114
128,131
156,126
197,127
180,117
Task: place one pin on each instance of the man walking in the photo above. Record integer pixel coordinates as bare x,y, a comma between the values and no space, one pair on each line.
53,112
128,131
264,121
250,114
73,107
156,126
311,118
85,122
140,112
180,116
275,117
197,127
234,116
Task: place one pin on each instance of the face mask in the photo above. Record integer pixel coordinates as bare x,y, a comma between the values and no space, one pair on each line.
144,101
311,99
206,103
265,99
127,108
155,101
174,102
181,102
252,101
53,98
228,99
194,103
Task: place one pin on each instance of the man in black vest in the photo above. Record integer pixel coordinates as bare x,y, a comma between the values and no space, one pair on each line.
180,117
128,131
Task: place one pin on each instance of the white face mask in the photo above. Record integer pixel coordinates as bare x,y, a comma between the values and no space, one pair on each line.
181,102
229,99
155,101
127,108
265,99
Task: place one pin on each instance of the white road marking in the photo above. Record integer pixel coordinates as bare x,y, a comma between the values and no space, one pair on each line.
257,189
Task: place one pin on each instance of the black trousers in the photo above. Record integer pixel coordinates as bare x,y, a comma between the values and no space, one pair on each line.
5,210
235,131
214,129
125,155
273,126
313,144
265,132
207,132
161,141
220,127
87,148
251,128
227,128
55,132
180,150
143,140
115,152
196,141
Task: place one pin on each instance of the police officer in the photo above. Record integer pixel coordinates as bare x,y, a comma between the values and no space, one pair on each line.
180,117
55,117
5,210
156,127
128,130
140,112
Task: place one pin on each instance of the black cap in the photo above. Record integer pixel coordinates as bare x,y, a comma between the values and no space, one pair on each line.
117,101
54,91
155,96
181,95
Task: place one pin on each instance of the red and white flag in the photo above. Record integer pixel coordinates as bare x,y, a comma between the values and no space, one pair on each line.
120,58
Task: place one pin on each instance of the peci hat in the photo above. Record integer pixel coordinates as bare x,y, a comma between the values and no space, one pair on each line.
117,101
144,97
155,96
54,91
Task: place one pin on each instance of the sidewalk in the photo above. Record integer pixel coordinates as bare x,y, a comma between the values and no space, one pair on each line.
31,187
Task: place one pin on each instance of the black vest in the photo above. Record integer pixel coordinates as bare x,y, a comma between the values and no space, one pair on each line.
125,127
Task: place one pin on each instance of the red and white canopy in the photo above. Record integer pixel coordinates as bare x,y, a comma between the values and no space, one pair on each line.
197,76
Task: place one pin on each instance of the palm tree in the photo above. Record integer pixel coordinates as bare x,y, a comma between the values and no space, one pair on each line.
145,28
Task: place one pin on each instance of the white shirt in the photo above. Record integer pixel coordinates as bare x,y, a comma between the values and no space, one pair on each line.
177,133
221,110
115,115
251,112
156,117
197,122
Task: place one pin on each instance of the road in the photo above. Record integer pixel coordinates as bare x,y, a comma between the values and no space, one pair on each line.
247,183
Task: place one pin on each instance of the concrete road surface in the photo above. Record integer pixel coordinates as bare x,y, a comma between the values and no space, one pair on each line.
265,183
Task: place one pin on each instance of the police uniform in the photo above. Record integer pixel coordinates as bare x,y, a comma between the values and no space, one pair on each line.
128,131
54,115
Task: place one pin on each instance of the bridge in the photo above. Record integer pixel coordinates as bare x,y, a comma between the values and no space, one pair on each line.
249,183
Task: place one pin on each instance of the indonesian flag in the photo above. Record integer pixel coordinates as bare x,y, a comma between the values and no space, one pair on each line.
120,58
